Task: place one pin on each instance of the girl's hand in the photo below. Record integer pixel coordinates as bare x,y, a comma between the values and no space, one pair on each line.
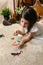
15,43
17,32
20,44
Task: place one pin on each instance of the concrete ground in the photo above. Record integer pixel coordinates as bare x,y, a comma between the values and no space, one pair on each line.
32,51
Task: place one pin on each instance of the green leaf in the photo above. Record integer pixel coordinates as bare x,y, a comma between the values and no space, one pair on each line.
5,12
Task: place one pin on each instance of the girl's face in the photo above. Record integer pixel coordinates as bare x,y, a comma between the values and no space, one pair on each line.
24,23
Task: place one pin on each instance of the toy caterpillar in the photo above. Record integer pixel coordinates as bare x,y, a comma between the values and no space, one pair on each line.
18,53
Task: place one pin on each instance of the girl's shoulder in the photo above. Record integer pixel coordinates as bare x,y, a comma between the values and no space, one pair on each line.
34,28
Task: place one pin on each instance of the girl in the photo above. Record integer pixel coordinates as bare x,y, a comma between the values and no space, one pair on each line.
28,22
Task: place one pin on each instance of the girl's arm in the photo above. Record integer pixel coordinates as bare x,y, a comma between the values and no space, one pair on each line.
19,32
22,32
27,38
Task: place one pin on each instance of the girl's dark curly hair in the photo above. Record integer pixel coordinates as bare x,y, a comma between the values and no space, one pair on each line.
30,15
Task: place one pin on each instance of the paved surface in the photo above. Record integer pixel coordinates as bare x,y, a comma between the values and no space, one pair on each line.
32,51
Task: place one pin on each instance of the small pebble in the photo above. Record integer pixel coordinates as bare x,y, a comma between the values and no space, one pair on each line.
2,35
